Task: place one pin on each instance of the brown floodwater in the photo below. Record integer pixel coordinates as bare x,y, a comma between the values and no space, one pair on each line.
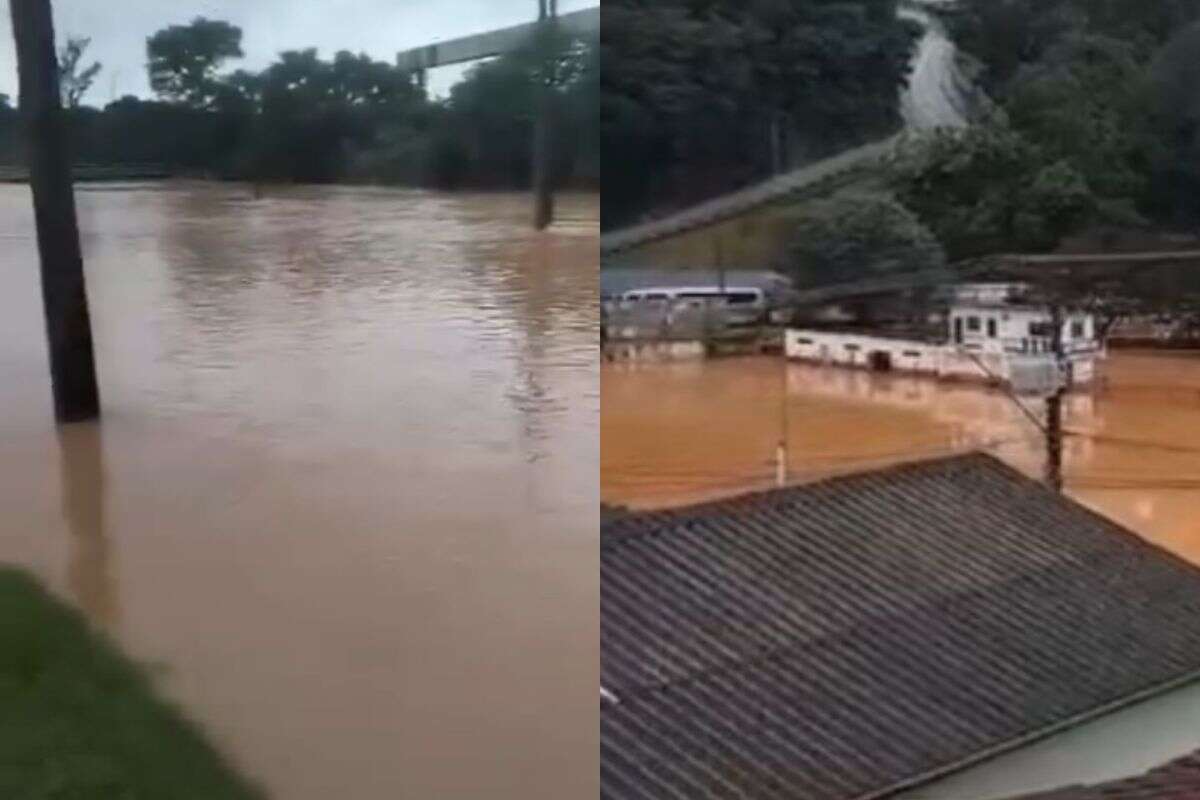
678,433
343,500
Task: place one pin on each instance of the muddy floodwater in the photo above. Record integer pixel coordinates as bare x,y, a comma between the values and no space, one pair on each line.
678,433
343,500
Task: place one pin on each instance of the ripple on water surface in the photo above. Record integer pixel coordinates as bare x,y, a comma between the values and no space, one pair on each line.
345,487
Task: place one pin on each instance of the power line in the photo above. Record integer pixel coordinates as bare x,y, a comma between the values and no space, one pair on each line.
1131,442
1007,392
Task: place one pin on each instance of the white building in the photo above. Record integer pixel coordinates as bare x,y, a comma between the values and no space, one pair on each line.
988,336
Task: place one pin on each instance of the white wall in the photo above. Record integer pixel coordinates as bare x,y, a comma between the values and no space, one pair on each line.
854,350
1012,327
851,349
1119,745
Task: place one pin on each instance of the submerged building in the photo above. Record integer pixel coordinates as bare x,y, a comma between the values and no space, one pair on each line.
988,332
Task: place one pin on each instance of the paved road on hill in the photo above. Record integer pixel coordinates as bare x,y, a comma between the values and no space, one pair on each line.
935,97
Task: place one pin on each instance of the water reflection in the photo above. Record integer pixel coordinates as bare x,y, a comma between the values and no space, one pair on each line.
352,435
89,571
683,432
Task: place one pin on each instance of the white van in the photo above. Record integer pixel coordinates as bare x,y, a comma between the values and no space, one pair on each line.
739,305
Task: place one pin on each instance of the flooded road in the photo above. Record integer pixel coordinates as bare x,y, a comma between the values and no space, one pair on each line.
689,431
343,499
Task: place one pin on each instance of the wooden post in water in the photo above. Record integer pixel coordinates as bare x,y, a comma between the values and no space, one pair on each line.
64,295
543,194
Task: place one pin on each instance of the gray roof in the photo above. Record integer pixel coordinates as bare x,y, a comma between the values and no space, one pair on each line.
865,634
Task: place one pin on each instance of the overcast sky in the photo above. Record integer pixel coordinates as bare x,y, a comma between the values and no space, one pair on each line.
118,29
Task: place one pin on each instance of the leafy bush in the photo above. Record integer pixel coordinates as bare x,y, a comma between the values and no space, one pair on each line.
855,236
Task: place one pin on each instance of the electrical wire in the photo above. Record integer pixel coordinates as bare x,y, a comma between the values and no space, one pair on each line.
1008,393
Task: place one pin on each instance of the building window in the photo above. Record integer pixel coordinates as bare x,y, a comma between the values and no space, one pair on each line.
991,328
973,324
853,348
1077,329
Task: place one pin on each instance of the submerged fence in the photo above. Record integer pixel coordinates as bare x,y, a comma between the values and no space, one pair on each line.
679,321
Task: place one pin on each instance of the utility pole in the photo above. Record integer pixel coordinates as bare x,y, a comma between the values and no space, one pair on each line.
781,449
1054,402
543,195
64,295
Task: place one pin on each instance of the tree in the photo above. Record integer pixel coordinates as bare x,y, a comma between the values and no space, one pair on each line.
1106,86
1176,96
1004,34
855,236
492,112
184,59
580,121
494,109
826,66
699,97
987,189
73,81
552,57
359,80
240,93
1086,102
309,119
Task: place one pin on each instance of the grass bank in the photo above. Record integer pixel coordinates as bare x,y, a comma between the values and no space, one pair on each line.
79,722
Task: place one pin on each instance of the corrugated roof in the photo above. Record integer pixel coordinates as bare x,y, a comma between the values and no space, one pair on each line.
1177,780
861,635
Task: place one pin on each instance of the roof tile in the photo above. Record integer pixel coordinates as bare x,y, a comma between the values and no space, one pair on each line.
844,639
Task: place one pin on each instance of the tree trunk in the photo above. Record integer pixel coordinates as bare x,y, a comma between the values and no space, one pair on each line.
64,295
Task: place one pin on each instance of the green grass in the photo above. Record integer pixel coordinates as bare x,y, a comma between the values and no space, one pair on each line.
79,722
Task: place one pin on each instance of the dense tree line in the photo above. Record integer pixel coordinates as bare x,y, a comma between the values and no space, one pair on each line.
349,118
1096,125
698,97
